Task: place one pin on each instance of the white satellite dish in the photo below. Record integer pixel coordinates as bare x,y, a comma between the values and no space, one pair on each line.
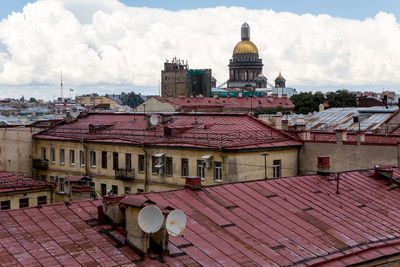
150,219
176,222
154,120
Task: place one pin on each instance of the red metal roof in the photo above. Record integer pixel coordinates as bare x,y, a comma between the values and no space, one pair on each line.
228,103
370,139
10,182
61,235
208,130
290,221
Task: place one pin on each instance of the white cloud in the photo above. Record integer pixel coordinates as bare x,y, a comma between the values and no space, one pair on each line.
100,42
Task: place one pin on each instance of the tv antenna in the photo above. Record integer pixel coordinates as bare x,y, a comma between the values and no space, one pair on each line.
150,219
176,222
61,86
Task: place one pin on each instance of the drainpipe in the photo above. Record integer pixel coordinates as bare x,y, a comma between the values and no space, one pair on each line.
145,168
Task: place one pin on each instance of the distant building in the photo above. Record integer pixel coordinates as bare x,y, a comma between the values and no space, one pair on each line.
215,104
94,100
178,80
245,67
20,192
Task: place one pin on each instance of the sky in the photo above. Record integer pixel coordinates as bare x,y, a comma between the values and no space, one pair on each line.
108,46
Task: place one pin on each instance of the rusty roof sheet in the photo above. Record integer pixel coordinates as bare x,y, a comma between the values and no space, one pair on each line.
207,130
342,118
294,221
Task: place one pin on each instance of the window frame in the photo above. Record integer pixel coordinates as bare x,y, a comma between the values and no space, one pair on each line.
115,160
82,160
217,171
141,164
43,153
61,185
93,159
3,203
277,168
40,200
184,166
200,169
114,189
21,205
103,187
128,161
52,155
169,166
62,156
72,157
104,159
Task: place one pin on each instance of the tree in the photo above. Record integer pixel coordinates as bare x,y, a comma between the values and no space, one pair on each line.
342,98
305,103
32,100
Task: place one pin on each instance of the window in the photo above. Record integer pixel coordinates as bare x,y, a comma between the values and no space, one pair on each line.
168,166
217,171
127,190
115,160
115,189
43,153
141,163
5,205
128,161
104,159
23,202
154,161
82,157
103,188
61,184
62,156
185,167
53,179
42,200
52,155
140,190
277,168
43,177
200,169
93,159
72,157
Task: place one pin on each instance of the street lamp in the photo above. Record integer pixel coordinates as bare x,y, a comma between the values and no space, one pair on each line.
265,154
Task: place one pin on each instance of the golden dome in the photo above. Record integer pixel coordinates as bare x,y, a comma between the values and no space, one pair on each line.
261,75
245,47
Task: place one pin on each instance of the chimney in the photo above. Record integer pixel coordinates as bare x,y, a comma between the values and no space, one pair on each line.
285,125
193,182
383,172
323,164
100,214
69,118
300,127
284,95
305,135
341,136
360,137
278,120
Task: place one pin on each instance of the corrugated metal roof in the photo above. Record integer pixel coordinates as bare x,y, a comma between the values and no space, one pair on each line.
342,118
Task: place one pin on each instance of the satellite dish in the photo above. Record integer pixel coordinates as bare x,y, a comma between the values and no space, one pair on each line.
154,120
176,222
150,219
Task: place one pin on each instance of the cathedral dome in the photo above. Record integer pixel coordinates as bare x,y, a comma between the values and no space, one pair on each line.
245,47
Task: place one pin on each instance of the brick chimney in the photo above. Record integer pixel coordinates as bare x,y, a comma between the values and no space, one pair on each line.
341,136
285,125
305,135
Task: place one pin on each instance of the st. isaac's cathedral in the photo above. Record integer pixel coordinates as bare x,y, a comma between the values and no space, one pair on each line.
245,67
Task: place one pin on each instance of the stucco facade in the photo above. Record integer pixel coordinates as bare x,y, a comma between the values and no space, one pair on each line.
33,196
16,149
236,166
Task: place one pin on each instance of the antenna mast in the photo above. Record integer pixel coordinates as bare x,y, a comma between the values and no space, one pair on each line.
61,87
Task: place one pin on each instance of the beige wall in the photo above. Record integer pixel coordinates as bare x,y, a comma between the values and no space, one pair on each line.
240,166
154,105
346,157
16,149
33,195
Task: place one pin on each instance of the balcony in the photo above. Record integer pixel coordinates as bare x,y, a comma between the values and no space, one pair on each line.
42,164
125,174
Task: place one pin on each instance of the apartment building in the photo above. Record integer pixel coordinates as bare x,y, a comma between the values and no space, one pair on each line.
124,153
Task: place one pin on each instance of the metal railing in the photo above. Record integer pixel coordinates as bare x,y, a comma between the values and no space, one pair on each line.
42,164
125,174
